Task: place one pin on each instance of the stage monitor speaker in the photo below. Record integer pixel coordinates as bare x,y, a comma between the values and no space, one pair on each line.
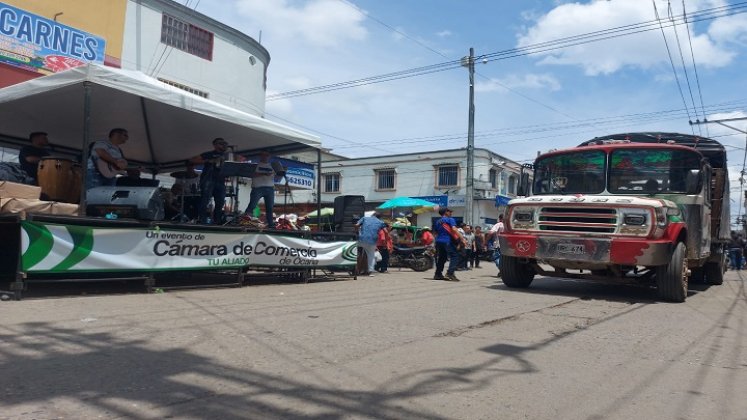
143,203
348,209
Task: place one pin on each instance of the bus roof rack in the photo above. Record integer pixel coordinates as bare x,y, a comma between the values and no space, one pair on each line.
713,150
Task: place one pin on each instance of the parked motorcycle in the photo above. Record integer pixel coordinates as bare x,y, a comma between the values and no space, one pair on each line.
419,258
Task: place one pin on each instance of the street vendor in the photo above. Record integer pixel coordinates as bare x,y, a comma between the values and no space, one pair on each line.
427,237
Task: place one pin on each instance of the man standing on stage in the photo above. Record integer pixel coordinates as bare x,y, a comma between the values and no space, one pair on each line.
30,155
106,160
212,181
263,186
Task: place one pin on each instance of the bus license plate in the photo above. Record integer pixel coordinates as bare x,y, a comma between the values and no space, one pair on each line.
574,249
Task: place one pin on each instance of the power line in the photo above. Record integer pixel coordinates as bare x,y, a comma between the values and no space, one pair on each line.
682,59
393,29
671,61
595,36
695,67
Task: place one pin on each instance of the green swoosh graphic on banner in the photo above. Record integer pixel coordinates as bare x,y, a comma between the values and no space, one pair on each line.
350,252
40,244
82,246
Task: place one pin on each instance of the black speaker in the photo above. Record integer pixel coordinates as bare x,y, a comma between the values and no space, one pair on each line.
348,209
144,203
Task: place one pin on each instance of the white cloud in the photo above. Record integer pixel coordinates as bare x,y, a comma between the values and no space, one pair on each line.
643,50
717,129
322,23
443,34
729,29
525,81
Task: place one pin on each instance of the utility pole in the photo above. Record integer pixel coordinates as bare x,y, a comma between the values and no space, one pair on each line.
470,190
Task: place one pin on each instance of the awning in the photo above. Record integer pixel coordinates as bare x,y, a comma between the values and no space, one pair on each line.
166,125
501,200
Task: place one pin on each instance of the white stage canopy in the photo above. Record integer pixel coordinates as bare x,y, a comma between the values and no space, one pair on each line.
166,125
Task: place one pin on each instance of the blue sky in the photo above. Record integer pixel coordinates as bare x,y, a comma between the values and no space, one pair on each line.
524,104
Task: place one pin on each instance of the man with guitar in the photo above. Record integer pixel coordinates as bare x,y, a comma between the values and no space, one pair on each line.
212,181
106,160
448,242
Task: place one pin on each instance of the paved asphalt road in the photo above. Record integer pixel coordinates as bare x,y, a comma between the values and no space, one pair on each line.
395,346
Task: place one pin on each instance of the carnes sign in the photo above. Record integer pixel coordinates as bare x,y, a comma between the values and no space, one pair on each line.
41,45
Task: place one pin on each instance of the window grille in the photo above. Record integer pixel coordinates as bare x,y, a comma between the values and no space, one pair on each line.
185,87
385,179
448,176
331,183
186,37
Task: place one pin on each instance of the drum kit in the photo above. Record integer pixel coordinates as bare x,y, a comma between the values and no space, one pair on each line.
189,198
61,179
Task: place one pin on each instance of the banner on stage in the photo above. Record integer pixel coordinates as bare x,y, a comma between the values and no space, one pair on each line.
58,248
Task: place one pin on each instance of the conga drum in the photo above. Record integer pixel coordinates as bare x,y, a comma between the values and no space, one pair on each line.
60,179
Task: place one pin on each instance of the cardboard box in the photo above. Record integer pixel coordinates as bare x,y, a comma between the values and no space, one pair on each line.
25,205
65,209
14,190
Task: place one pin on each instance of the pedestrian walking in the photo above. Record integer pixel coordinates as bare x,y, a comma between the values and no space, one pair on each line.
469,247
385,246
480,246
447,241
368,234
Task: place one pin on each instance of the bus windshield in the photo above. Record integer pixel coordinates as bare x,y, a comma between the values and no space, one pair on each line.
650,171
578,172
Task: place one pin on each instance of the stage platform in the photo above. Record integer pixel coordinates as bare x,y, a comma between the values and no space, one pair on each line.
59,249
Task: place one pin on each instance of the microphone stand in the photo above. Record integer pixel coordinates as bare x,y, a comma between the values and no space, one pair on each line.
234,191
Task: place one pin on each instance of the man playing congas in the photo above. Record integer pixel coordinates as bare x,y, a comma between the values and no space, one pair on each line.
30,155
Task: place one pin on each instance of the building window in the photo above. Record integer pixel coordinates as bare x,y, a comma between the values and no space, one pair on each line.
185,88
492,174
186,37
385,179
504,183
331,183
512,184
448,176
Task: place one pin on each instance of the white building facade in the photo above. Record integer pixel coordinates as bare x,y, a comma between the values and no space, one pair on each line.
436,176
171,42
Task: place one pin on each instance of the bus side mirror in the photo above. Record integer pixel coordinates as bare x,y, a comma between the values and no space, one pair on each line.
692,181
523,189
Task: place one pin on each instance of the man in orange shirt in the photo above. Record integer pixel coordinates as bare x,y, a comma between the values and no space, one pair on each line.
427,237
385,246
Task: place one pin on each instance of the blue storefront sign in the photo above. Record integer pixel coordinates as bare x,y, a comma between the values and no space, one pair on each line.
299,175
42,45
441,200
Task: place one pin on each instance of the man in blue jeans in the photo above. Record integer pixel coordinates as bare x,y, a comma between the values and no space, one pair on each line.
446,236
212,182
263,186
368,234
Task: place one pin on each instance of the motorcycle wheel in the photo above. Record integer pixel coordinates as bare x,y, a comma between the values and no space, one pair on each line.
421,264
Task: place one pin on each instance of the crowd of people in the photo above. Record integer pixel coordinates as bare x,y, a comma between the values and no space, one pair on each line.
456,243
